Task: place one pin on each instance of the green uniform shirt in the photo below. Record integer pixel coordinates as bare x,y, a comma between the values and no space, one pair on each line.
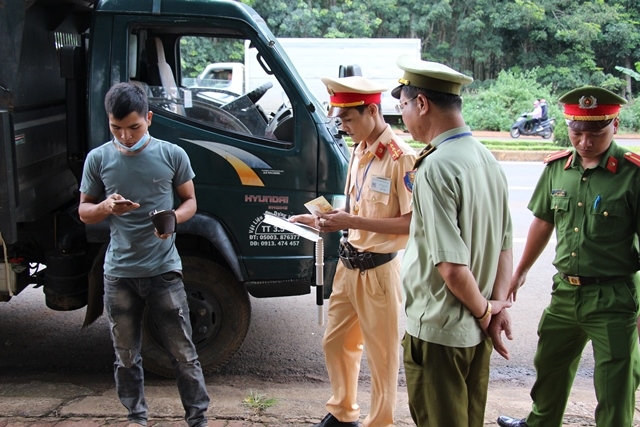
595,212
460,215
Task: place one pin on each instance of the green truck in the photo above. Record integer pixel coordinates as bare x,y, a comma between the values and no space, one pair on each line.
59,59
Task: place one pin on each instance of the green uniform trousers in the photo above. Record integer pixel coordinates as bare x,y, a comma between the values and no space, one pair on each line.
606,314
447,386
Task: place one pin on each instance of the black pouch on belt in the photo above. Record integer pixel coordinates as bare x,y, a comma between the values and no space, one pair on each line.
347,253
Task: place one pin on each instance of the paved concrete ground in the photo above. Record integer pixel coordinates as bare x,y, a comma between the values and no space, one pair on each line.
298,404
39,404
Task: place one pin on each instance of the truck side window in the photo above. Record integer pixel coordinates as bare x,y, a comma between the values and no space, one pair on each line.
217,88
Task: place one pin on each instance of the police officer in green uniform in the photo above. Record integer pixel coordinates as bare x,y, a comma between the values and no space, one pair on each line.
457,263
590,195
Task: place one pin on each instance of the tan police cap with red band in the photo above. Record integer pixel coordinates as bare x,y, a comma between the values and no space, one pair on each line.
591,108
353,91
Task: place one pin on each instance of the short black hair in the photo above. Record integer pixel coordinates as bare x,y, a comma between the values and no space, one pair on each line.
361,108
444,101
125,98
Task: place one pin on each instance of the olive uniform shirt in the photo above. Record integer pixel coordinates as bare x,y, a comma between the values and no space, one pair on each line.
461,216
595,212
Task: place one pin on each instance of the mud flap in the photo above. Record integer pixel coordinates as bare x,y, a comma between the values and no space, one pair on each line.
95,304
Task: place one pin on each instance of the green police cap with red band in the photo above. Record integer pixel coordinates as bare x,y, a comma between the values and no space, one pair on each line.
590,107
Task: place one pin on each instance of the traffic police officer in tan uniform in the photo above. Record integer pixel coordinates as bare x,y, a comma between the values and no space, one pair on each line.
365,303
590,195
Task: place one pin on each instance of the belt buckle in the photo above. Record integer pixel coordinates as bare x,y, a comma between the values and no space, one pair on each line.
574,280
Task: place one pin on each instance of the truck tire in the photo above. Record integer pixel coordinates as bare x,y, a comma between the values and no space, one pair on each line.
220,313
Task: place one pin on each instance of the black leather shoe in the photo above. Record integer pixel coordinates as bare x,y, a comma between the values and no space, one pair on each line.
331,421
504,421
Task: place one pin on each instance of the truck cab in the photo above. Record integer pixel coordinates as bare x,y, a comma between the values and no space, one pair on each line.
248,158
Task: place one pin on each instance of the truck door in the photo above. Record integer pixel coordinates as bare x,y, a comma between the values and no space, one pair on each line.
249,156
263,147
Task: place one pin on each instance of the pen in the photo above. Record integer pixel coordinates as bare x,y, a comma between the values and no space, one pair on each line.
596,203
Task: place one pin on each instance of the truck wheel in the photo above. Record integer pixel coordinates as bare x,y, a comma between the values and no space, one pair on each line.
220,313
515,133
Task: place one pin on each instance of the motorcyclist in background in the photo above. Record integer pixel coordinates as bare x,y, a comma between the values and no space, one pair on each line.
545,110
536,115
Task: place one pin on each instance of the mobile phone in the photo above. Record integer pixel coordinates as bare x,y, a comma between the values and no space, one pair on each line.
123,202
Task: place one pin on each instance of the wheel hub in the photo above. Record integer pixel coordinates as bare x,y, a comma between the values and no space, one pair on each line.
203,313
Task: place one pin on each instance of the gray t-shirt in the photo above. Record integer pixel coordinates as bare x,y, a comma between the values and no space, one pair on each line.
147,178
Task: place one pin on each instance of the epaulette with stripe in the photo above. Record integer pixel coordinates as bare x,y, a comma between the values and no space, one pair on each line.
394,150
633,158
557,155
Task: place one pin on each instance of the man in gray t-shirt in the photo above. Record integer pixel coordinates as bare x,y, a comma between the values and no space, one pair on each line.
123,180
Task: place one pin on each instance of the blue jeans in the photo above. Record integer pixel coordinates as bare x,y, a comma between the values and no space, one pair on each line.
125,300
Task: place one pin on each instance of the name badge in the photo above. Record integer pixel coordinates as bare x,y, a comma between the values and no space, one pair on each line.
381,184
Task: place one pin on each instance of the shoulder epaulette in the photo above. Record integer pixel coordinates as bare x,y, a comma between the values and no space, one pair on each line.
557,155
427,150
394,150
633,158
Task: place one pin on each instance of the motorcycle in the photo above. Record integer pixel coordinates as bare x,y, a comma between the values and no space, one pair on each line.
525,126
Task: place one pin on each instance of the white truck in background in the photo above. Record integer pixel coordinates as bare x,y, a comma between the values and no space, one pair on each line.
321,57
227,78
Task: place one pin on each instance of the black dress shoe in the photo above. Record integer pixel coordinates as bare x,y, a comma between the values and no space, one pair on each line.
331,421
504,421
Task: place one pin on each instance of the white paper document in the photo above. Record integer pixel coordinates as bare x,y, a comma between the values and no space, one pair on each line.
301,230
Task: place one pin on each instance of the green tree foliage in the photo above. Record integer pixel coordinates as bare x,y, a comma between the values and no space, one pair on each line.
630,117
634,74
197,52
570,42
498,105
561,134
516,50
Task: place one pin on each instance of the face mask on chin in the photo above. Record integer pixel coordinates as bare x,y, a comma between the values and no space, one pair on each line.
135,147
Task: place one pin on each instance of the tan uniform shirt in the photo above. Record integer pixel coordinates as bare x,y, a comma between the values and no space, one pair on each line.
380,187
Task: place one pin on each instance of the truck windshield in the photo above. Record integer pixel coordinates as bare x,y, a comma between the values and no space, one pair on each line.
222,84
208,80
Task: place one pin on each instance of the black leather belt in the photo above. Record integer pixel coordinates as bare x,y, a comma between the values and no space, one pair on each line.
366,260
584,281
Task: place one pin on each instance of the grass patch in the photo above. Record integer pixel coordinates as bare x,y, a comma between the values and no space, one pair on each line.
521,145
258,401
515,145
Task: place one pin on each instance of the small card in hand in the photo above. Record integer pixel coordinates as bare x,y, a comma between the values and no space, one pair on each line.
319,205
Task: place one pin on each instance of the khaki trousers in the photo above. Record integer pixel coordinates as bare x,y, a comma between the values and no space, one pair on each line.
364,313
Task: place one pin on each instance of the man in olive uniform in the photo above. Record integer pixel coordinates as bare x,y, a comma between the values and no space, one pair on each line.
458,261
590,195
364,307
